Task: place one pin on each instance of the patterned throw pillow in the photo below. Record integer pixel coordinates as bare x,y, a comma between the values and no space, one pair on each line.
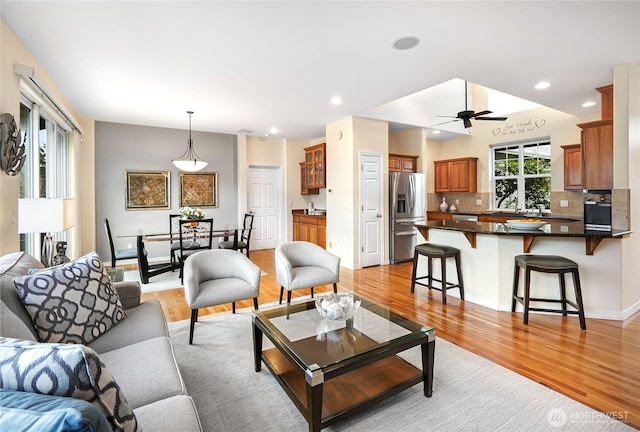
73,302
68,370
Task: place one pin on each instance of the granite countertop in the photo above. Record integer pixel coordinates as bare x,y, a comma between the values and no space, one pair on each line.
316,212
507,214
552,229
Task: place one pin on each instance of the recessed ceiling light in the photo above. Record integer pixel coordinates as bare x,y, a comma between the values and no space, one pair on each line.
273,131
588,104
336,100
542,85
436,131
406,43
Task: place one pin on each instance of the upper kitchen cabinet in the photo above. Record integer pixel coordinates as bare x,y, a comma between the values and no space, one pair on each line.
597,154
456,175
315,166
403,163
304,190
572,167
597,146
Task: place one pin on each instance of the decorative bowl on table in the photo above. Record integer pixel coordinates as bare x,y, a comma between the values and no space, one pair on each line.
337,306
525,224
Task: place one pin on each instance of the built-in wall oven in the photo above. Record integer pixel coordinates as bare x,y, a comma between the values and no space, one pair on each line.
597,216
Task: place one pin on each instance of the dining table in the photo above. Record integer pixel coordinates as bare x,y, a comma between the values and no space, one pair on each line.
145,235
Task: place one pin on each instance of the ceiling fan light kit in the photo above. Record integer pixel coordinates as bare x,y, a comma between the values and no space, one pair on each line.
468,114
189,161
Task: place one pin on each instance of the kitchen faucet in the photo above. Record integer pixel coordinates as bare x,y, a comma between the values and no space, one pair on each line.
540,208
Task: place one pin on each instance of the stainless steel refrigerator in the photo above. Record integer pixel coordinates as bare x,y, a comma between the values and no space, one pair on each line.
406,208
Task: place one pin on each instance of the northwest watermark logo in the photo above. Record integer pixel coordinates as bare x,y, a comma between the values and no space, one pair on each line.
558,417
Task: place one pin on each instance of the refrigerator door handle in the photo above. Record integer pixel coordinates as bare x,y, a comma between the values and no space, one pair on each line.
412,194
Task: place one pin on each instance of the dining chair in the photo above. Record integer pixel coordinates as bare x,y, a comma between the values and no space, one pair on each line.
174,245
195,236
118,254
241,243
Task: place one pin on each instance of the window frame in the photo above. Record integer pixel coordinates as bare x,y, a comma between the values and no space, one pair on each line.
58,168
520,177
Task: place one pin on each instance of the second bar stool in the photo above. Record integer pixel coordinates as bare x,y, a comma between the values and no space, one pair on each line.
431,251
547,264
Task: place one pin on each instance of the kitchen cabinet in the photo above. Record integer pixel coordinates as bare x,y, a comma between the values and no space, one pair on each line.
572,167
597,145
403,163
438,216
304,190
456,175
310,228
597,154
315,161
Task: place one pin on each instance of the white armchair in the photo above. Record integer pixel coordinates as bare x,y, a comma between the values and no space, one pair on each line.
219,276
301,264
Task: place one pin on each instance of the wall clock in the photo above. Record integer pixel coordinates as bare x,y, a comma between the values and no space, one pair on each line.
12,152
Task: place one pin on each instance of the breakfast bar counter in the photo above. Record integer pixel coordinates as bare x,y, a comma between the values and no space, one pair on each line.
574,229
487,251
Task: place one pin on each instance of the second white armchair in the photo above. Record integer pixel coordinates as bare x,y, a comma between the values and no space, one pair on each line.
301,264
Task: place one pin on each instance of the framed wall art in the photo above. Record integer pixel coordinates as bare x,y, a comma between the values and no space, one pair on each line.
147,190
199,189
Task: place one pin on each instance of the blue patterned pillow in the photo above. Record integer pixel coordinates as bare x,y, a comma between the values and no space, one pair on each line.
73,302
68,370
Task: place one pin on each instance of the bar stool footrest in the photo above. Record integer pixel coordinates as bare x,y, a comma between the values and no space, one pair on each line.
569,302
449,284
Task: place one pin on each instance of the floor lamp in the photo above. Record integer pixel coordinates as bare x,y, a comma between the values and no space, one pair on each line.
46,215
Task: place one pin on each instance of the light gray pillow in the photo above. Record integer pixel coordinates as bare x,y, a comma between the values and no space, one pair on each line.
71,303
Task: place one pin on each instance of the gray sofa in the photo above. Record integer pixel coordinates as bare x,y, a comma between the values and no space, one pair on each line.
137,351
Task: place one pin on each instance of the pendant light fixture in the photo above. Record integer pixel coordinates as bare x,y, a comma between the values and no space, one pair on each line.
189,161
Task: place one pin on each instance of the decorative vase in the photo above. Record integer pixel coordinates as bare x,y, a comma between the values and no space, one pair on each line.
453,208
444,206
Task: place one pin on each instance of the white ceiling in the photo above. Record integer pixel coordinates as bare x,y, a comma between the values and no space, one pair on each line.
258,65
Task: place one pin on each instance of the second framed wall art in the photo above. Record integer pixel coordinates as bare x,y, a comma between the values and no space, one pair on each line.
199,189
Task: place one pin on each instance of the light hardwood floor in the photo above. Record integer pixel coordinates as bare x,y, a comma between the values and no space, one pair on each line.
599,367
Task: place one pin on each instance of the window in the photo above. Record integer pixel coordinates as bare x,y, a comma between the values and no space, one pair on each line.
46,172
521,175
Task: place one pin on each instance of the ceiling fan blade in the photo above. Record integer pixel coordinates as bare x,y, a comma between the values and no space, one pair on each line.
492,118
467,122
481,113
438,124
454,117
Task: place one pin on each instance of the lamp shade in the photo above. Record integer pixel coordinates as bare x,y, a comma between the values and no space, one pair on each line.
45,215
190,165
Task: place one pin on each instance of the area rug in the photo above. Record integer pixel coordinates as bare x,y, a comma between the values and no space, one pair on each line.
470,393
161,282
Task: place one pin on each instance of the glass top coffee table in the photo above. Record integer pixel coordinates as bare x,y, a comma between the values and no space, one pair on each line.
332,369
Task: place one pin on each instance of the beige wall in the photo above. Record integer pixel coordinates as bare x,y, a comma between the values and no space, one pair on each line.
340,190
294,152
13,51
627,158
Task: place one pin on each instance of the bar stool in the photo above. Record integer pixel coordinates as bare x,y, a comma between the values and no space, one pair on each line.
547,264
431,251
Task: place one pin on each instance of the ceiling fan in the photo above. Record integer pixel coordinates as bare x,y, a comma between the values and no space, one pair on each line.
468,114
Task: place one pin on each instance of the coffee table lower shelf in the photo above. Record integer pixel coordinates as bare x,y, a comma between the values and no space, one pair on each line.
348,393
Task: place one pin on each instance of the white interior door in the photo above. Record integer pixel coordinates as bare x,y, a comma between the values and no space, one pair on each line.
371,227
264,192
